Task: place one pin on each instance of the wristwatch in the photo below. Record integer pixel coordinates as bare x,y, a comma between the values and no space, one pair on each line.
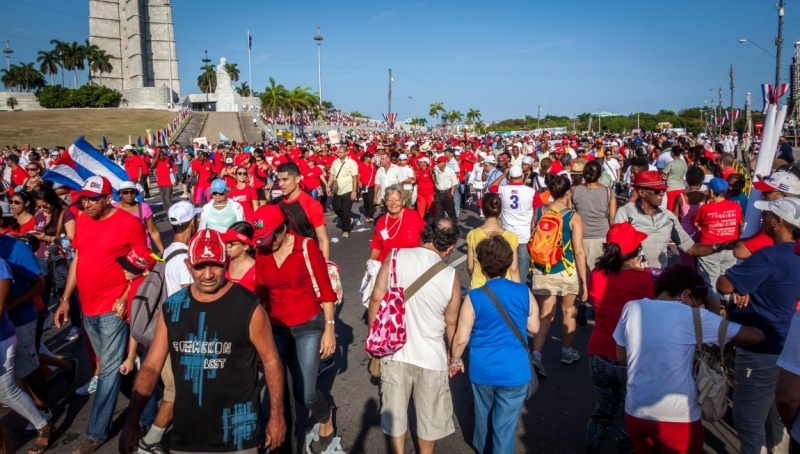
715,247
330,322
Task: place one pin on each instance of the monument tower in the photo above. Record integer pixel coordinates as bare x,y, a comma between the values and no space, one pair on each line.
139,35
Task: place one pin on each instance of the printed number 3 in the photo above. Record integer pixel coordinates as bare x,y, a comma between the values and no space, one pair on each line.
514,202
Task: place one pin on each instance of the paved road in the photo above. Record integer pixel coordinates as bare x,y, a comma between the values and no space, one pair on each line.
553,421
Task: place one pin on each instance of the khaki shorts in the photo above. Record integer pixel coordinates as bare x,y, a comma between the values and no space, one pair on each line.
169,381
26,358
432,400
558,284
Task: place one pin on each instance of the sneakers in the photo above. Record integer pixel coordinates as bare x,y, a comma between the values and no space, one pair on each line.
46,414
538,366
571,357
325,364
73,334
345,234
155,448
88,388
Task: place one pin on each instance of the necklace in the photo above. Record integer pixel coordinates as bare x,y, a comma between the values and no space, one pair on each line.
396,226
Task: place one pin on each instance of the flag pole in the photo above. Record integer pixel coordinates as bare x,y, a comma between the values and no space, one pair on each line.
249,68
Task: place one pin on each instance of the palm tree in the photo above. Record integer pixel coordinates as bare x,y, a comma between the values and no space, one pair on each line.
48,63
473,116
59,55
12,103
30,77
90,52
299,98
11,77
243,90
273,98
207,80
456,117
72,57
100,63
233,71
435,109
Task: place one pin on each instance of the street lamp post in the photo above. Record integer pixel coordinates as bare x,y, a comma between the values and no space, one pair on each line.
206,61
318,38
599,129
538,116
778,41
389,116
8,51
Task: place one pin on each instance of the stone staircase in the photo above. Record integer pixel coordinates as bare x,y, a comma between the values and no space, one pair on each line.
192,128
252,134
226,123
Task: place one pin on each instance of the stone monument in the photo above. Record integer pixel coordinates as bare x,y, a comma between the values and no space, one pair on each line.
227,98
139,36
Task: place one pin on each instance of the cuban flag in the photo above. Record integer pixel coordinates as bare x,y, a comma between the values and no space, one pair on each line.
727,117
735,115
82,161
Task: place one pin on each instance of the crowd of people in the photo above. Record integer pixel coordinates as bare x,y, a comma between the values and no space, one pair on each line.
633,230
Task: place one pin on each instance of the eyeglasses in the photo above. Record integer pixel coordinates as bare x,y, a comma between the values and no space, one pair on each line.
657,191
16,202
217,193
44,206
32,169
90,201
241,173
128,192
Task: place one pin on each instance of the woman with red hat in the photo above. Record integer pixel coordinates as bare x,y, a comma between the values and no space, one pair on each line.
617,278
239,242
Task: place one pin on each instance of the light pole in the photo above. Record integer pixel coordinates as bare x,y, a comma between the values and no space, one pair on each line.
318,38
8,51
206,61
599,129
538,116
732,119
402,97
778,41
389,116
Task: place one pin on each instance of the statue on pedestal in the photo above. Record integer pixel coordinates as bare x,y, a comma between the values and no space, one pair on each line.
223,78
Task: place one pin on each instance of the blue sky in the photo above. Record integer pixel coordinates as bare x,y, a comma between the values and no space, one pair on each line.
503,58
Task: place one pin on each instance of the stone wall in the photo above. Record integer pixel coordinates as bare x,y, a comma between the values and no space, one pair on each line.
147,98
27,101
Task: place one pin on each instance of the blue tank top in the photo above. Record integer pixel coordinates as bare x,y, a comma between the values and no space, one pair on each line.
566,239
496,356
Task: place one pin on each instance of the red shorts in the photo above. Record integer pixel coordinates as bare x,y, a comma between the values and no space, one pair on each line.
671,196
663,437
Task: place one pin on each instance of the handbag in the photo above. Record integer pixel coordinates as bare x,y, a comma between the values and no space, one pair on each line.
387,334
57,258
709,373
533,385
335,184
333,275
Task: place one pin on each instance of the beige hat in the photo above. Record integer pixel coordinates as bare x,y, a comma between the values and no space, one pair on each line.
577,168
425,147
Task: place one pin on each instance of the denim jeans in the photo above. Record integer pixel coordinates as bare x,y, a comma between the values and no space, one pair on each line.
502,404
457,199
109,336
524,263
754,410
150,411
10,394
610,380
298,348
315,193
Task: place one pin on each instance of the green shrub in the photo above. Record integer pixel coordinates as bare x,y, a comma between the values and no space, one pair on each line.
57,96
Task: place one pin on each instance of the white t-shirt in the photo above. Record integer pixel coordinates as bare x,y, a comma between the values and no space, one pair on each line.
628,172
176,273
407,172
790,361
610,167
660,341
663,160
518,210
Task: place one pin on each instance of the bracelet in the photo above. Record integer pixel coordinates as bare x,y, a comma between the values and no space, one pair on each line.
63,298
455,361
330,322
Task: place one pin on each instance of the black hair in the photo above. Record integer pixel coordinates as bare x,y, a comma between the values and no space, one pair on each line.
290,168
558,185
243,227
641,164
440,232
695,176
27,198
395,155
612,259
592,172
677,278
49,196
492,205
676,151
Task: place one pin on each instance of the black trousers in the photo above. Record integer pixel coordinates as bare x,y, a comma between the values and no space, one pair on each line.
369,202
145,182
342,206
444,203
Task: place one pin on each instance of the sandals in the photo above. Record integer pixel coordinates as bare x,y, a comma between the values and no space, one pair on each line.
46,433
325,441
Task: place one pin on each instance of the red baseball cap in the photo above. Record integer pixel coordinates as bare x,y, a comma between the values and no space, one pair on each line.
441,159
565,142
96,186
626,236
229,236
137,260
207,246
265,221
649,179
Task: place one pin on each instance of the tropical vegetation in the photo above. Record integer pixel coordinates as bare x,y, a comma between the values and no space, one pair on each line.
276,97
22,77
57,96
12,102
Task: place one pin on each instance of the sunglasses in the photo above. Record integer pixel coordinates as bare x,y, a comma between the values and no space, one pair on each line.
31,169
128,191
217,193
657,191
16,202
241,173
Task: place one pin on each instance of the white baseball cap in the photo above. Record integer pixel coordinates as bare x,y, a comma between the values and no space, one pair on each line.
490,160
780,181
128,147
403,157
182,212
515,172
786,208
127,185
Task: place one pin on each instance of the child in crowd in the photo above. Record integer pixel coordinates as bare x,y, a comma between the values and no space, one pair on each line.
136,264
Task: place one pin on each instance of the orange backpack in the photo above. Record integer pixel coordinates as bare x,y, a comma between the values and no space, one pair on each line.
546,245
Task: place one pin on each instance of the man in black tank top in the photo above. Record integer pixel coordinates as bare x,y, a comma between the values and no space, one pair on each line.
215,361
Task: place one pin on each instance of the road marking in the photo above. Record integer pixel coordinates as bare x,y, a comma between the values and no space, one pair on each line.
458,261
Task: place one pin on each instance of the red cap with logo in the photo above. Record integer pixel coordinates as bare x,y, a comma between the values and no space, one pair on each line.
207,246
137,260
229,236
96,186
265,221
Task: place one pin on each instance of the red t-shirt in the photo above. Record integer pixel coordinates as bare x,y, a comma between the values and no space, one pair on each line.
425,184
556,167
401,232
131,293
203,172
18,177
162,172
146,161
287,291
718,221
28,226
609,294
367,173
259,176
247,281
758,241
311,177
245,197
240,159
101,277
304,214
132,166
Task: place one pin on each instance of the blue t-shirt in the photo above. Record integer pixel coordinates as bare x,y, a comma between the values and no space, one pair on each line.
786,153
6,327
771,277
741,199
496,356
25,267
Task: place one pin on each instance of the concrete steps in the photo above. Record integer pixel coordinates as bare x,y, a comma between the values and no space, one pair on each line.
192,129
226,123
252,134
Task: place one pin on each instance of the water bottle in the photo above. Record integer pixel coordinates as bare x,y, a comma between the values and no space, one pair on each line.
66,245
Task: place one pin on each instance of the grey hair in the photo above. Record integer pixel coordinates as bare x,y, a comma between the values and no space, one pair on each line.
393,188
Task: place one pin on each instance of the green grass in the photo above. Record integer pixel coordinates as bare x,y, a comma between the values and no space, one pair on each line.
48,128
